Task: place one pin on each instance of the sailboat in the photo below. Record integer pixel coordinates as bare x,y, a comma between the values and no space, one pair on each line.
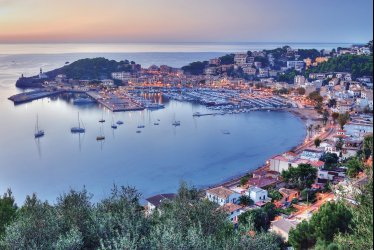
38,133
100,137
176,123
102,119
78,129
114,126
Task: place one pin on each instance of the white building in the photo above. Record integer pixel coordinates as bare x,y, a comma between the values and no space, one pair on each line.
299,80
122,76
240,58
222,195
107,82
257,194
295,65
233,211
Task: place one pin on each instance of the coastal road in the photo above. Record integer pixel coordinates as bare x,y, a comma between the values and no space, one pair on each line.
330,131
314,207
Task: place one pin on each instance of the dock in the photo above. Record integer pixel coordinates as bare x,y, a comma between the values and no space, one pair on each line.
33,95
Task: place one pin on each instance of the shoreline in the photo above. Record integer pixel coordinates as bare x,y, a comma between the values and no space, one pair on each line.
230,181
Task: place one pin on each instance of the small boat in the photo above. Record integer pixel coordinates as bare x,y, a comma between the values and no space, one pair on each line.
78,129
141,126
226,132
138,131
119,122
67,62
196,114
38,132
176,123
100,137
156,123
113,126
102,120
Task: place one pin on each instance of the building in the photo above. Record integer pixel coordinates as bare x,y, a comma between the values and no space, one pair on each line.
258,194
222,195
42,75
297,65
282,162
233,211
210,71
311,154
289,194
61,78
154,202
107,82
299,80
249,71
240,58
283,227
214,61
122,76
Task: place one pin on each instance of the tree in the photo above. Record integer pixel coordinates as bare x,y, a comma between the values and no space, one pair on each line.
275,195
332,103
367,146
302,237
332,218
354,166
300,91
361,227
343,119
302,176
317,142
330,159
335,116
8,210
339,144
244,180
245,200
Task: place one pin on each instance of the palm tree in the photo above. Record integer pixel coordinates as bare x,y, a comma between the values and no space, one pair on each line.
317,128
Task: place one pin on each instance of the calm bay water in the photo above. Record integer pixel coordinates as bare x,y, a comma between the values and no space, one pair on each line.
154,161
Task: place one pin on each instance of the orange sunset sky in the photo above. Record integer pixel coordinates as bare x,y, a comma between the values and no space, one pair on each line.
184,21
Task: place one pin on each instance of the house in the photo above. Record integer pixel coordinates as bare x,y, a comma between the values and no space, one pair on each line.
154,202
289,194
214,61
281,162
258,194
297,65
233,211
107,82
311,154
222,195
283,226
299,80
240,58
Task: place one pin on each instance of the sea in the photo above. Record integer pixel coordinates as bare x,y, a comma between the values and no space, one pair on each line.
154,161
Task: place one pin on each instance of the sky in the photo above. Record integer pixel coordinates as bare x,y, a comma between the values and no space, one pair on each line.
186,21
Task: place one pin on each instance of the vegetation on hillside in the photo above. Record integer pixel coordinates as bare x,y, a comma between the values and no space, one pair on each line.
119,222
358,65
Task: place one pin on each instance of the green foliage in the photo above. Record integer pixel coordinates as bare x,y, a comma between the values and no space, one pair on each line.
343,119
315,96
308,195
329,221
195,68
263,60
300,91
8,210
361,228
244,180
227,59
275,195
302,237
308,53
245,200
358,65
301,177
354,166
335,116
259,219
119,222
288,76
330,160
92,69
367,146
317,142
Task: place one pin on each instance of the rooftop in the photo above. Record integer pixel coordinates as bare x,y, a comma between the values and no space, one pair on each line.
285,225
221,192
231,207
157,199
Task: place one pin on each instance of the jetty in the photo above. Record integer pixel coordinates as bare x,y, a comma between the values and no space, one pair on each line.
33,95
